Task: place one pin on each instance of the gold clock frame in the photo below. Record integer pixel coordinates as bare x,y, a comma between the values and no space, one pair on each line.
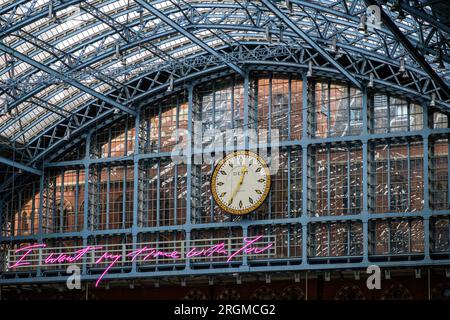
264,195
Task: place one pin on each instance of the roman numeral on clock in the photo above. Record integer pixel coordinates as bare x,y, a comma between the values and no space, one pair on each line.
258,191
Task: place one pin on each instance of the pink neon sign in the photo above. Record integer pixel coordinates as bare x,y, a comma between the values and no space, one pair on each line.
144,253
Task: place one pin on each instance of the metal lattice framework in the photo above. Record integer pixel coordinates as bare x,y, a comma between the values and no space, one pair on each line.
37,54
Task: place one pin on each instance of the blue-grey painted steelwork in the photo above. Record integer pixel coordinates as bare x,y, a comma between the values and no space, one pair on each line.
245,58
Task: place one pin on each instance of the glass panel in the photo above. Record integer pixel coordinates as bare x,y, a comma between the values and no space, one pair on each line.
288,239
20,211
277,110
164,193
338,110
440,120
111,197
335,239
280,107
296,109
398,110
397,236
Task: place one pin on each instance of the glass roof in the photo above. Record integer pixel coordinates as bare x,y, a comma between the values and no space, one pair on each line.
96,42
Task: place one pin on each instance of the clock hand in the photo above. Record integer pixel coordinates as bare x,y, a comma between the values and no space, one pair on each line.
241,180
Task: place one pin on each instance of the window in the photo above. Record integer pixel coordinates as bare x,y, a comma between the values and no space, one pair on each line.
392,114
338,110
439,174
115,141
397,171
61,218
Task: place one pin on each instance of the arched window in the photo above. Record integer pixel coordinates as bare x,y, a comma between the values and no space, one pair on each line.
25,222
78,225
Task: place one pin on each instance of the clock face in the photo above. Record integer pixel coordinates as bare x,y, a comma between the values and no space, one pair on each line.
240,182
